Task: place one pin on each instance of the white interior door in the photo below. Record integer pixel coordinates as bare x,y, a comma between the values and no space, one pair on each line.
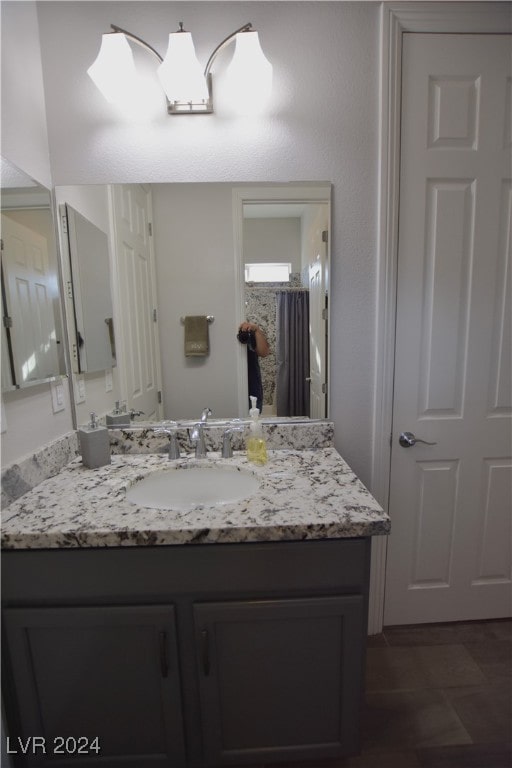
136,326
449,554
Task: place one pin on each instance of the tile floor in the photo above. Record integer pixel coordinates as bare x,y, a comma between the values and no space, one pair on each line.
437,696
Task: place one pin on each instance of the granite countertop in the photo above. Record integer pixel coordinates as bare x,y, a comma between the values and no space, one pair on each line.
302,495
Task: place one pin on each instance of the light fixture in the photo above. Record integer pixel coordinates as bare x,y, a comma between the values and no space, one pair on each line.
188,89
180,73
114,69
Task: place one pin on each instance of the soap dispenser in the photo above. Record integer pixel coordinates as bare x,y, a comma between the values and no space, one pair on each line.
94,444
118,418
256,445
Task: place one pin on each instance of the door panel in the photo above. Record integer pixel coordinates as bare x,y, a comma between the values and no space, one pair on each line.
500,380
140,362
279,679
100,672
449,550
317,244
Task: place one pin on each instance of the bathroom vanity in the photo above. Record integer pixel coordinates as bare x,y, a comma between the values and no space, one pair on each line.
215,636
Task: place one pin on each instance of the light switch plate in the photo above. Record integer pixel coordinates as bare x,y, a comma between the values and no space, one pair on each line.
109,385
58,401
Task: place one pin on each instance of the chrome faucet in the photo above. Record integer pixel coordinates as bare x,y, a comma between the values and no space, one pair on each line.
171,430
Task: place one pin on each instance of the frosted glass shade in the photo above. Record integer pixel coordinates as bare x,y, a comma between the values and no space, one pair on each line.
180,73
249,75
113,70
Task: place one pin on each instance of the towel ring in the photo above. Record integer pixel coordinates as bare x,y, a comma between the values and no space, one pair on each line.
210,319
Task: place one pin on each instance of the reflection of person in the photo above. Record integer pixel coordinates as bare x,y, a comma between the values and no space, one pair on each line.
257,346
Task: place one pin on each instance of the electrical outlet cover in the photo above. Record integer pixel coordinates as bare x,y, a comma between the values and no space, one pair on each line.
57,390
79,390
3,420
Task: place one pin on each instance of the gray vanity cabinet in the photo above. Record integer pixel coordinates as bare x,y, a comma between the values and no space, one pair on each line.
101,683
279,679
187,656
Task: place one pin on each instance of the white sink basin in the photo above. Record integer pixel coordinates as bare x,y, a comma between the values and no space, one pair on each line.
189,487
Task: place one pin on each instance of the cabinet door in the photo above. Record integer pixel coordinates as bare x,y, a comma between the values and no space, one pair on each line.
105,672
280,679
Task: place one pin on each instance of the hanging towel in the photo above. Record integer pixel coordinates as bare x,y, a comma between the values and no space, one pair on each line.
196,336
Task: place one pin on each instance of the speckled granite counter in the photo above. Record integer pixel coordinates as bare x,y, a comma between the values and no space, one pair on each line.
21,476
302,495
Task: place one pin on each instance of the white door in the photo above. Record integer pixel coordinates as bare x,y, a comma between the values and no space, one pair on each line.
449,554
30,295
318,329
136,314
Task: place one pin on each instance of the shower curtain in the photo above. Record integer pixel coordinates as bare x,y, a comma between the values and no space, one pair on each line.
292,353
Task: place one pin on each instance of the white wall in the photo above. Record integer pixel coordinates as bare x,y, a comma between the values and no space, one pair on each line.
24,134
323,125
29,418
27,415
273,240
193,230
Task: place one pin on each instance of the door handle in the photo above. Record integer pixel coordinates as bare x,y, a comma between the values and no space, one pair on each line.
408,439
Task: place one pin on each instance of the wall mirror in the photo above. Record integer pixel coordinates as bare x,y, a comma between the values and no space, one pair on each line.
32,332
181,250
285,260
86,270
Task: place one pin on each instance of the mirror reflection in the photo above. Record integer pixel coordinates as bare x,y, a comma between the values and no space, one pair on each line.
32,341
285,271
85,258
185,251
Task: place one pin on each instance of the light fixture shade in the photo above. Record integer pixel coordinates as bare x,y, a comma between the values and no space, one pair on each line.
180,73
113,71
249,74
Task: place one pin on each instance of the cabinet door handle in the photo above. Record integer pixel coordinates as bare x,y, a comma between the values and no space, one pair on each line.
164,661
205,652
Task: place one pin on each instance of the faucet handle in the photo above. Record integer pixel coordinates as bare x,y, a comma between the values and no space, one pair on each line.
204,414
168,425
227,448
174,446
169,428
196,435
166,428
